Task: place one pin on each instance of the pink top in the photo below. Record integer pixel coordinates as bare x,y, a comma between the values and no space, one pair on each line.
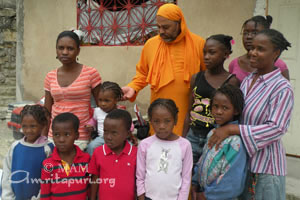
234,68
74,98
164,168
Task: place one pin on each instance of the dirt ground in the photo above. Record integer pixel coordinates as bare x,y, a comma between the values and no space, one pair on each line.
6,139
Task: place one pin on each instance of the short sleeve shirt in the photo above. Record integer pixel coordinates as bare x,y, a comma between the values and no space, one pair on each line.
75,98
116,172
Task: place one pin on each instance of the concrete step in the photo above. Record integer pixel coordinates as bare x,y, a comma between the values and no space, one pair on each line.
293,178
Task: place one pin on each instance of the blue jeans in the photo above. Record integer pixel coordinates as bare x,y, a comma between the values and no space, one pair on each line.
197,141
98,141
268,187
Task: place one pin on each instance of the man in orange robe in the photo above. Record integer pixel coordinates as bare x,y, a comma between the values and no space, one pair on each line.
168,62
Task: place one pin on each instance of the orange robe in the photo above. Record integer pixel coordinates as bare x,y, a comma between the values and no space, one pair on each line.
178,88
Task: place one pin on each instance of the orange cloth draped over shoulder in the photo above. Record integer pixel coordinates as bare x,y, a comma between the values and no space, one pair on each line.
169,66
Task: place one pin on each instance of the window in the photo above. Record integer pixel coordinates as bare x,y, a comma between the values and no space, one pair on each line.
118,22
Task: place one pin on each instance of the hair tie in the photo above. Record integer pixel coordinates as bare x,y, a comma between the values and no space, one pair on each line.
79,33
232,41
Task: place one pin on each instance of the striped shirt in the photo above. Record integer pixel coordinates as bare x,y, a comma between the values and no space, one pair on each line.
58,184
74,98
266,115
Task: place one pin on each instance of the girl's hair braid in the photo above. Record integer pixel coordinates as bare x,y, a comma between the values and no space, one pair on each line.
38,112
114,87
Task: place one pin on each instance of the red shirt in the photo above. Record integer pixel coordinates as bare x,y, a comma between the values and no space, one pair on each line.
116,172
57,185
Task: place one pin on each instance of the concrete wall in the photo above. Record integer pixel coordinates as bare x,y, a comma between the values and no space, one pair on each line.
44,20
7,54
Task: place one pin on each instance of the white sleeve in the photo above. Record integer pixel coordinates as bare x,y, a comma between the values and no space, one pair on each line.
7,192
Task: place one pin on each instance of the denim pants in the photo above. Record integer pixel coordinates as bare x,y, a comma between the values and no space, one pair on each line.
268,187
197,141
98,141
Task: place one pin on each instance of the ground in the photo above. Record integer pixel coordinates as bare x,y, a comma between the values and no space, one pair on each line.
6,140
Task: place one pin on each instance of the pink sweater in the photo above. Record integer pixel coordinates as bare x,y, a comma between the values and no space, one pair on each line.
164,168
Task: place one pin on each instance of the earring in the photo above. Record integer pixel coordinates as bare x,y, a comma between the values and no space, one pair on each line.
56,57
77,59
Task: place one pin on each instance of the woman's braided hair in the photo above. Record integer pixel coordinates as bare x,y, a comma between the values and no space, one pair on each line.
277,39
223,39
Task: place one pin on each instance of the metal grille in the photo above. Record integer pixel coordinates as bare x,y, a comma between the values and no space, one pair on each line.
118,22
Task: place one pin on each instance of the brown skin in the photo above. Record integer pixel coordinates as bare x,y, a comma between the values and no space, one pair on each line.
168,29
197,195
222,109
31,128
214,56
115,134
67,52
141,197
64,136
94,187
262,57
163,123
249,32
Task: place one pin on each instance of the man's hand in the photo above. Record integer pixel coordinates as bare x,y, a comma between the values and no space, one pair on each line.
128,92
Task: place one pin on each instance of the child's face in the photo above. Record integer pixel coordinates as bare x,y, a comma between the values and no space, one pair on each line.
249,32
107,100
222,109
115,134
31,128
214,54
162,122
64,136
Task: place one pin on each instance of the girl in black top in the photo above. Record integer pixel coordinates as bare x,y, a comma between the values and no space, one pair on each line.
199,121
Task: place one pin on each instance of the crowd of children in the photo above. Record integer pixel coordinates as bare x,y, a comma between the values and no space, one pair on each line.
232,148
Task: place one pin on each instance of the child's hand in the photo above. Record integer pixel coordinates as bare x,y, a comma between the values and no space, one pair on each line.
201,196
133,140
194,192
89,128
197,195
141,197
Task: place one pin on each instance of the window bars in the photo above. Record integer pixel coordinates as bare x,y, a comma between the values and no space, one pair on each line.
118,22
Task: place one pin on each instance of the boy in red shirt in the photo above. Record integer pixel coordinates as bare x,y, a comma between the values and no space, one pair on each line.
64,173
113,164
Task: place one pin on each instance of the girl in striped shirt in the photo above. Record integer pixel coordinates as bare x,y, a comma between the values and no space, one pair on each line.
266,116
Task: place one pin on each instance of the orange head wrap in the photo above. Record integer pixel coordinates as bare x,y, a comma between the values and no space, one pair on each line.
161,72
173,12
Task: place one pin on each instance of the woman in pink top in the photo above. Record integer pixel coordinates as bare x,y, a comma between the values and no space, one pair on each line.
241,66
69,88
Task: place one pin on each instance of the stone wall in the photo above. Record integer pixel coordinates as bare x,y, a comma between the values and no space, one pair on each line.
7,55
